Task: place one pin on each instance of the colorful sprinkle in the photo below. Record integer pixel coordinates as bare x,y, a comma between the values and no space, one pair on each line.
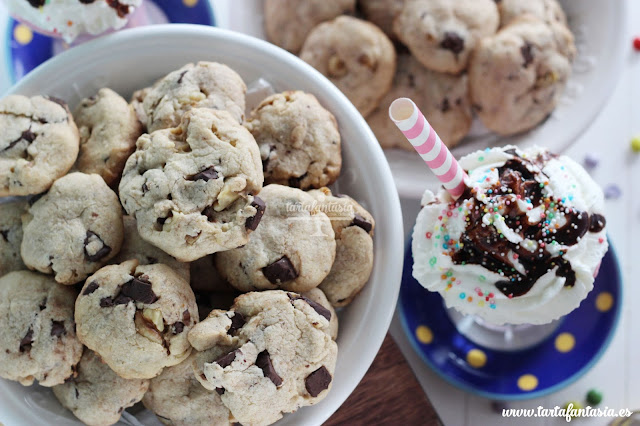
433,261
636,43
635,144
594,397
612,192
462,295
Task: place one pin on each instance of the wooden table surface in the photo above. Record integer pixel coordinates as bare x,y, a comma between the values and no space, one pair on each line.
388,394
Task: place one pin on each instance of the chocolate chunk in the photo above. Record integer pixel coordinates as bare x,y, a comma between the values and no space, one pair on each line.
362,222
295,182
597,223
93,286
205,175
121,299
5,234
446,106
252,222
182,76
178,327
527,54
264,363
453,42
226,360
162,220
186,316
317,381
34,198
37,3
121,9
145,188
27,135
57,328
220,391
139,290
280,271
106,302
321,310
100,254
237,321
27,340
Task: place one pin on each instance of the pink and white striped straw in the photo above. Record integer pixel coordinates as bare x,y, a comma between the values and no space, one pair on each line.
415,127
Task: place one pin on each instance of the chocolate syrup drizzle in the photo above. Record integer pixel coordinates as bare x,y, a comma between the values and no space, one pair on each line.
483,245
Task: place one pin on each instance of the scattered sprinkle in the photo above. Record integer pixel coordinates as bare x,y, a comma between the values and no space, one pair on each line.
635,144
636,43
612,192
591,161
594,397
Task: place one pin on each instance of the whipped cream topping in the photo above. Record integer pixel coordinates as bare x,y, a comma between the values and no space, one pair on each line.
521,245
70,18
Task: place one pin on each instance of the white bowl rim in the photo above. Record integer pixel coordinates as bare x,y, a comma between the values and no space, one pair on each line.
392,218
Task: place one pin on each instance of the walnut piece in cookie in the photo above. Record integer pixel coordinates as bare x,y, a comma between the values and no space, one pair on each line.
517,76
203,85
444,98
288,22
11,235
38,143
191,188
38,340
177,398
353,227
356,56
108,129
73,229
442,34
298,139
136,318
134,247
270,354
98,396
292,249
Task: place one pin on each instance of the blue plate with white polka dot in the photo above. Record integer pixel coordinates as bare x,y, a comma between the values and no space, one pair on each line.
24,50
569,352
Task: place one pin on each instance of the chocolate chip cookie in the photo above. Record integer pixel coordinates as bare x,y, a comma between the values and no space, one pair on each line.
39,143
353,227
136,318
356,56
298,139
279,355
134,247
38,340
517,76
191,188
177,398
11,236
444,98
108,129
382,13
73,229
292,249
203,85
288,22
441,34
97,395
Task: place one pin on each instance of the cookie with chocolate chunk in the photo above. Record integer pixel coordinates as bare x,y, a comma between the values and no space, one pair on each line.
517,76
11,235
136,318
288,22
353,227
97,395
38,143
299,140
38,339
441,34
292,249
109,129
442,97
192,188
74,229
202,85
177,398
270,354
356,56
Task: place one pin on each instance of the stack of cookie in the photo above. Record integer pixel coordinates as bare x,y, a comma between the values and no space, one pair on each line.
507,61
175,252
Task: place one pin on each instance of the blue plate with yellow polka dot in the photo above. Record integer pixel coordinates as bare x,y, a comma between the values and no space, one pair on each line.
24,50
573,348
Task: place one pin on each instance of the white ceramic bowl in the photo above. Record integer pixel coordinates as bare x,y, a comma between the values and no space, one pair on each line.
134,59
